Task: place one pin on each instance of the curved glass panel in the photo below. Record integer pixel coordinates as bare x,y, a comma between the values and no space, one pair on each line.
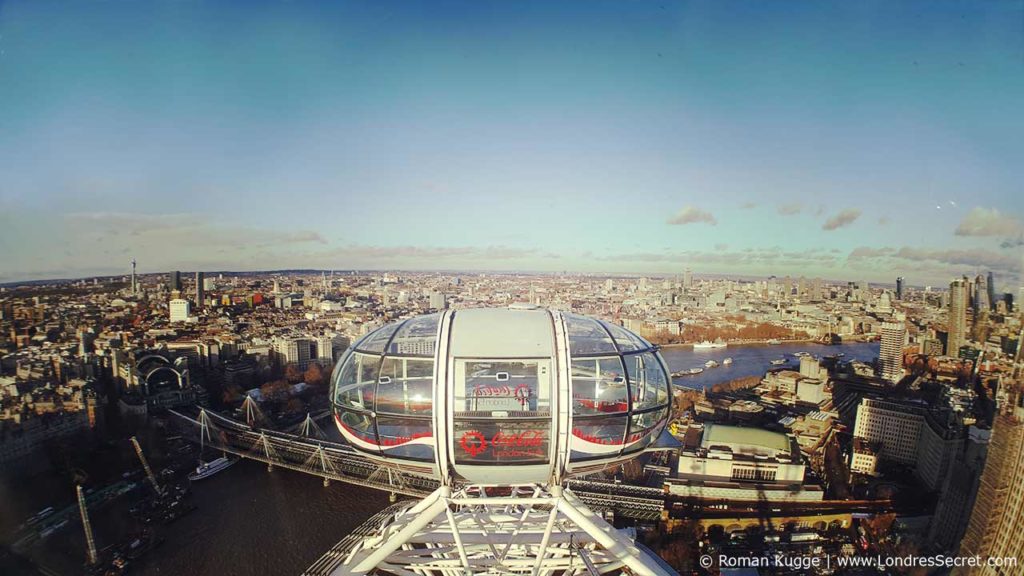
642,428
626,340
410,438
405,386
336,372
416,337
502,411
503,389
358,424
495,441
376,341
356,381
599,386
586,336
648,382
597,436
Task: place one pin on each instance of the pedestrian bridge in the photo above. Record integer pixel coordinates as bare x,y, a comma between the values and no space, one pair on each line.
308,450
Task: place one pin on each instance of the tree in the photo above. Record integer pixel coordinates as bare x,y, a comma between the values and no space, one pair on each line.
274,390
292,373
232,394
314,375
294,406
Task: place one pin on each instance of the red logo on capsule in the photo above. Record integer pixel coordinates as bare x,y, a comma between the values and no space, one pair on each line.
473,443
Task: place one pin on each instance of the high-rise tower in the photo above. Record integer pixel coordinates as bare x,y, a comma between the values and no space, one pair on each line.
957,316
200,291
991,285
135,286
891,354
982,302
994,528
175,280
899,287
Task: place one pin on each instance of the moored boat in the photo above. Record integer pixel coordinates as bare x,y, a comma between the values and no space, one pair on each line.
727,361
207,469
706,345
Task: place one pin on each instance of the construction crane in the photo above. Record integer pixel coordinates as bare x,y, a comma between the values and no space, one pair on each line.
145,466
90,543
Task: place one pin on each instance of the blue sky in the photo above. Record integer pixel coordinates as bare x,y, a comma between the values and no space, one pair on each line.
835,139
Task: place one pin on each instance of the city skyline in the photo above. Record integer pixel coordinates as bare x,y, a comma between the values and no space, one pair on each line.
833,141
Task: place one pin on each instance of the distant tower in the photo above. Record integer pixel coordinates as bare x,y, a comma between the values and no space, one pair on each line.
135,287
687,279
991,284
899,287
200,291
957,316
981,295
175,280
891,353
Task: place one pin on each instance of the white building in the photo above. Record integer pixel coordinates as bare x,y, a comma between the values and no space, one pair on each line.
734,463
294,351
811,390
896,426
894,335
179,309
438,301
865,457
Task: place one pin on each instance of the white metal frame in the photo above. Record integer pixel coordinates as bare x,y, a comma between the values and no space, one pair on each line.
525,529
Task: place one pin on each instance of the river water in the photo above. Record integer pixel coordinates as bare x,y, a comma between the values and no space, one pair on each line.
250,521
753,360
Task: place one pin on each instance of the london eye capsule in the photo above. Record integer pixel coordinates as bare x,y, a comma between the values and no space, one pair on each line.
501,395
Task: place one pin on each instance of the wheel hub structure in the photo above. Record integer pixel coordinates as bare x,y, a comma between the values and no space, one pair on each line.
527,529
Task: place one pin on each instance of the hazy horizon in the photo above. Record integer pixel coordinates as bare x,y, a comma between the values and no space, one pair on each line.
833,139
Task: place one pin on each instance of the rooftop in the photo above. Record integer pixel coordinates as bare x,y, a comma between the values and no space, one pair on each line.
744,440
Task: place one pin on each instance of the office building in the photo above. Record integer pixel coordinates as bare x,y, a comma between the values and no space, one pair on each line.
957,316
896,427
991,286
894,334
175,281
200,290
982,303
998,514
438,301
908,433
179,309
294,350
899,287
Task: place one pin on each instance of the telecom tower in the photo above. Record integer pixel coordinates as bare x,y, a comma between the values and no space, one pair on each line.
502,406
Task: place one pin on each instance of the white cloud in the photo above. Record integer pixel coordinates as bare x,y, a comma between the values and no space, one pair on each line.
691,215
844,218
989,222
